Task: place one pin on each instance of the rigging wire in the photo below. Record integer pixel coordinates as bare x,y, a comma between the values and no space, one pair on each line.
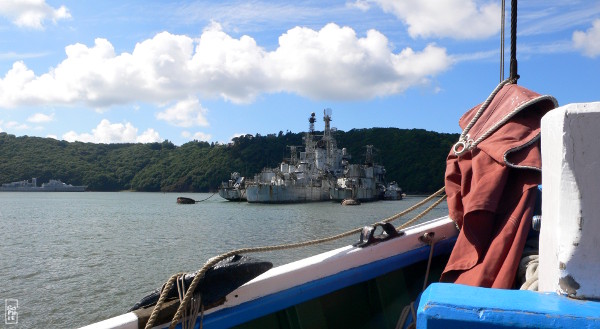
502,29
513,41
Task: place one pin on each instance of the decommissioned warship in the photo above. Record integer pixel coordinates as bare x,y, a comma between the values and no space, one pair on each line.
54,185
321,172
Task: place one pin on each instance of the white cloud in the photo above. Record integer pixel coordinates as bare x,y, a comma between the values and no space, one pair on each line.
107,132
186,113
148,136
552,17
14,125
589,41
362,5
332,63
41,118
199,136
458,19
32,13
11,55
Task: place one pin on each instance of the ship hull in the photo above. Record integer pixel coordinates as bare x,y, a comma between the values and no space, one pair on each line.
392,195
361,194
232,194
264,193
43,189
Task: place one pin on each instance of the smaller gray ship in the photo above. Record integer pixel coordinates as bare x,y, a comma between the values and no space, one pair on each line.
234,189
393,192
54,185
360,182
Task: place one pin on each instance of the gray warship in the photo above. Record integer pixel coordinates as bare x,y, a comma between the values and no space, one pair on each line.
393,192
360,182
54,185
306,176
321,172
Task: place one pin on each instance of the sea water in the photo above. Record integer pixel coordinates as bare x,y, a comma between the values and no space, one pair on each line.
71,259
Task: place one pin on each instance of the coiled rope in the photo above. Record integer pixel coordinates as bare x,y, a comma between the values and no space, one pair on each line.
213,261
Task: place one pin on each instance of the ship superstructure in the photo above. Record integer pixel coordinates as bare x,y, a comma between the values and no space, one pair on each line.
320,172
307,176
360,182
234,189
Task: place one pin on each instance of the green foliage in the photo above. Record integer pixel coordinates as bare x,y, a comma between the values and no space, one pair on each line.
414,158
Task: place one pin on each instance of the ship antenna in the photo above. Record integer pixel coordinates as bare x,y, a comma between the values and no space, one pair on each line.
311,123
327,119
327,135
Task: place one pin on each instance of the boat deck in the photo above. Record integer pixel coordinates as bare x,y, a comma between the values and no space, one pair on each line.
448,306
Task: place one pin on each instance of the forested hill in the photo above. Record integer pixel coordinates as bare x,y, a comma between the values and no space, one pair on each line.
414,158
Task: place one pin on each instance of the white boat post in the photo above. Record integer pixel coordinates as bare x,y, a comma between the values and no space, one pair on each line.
569,259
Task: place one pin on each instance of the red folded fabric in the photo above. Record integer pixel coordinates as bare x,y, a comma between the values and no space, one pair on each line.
491,188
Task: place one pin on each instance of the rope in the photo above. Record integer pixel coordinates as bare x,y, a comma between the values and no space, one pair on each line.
163,295
206,198
429,239
419,216
213,261
431,245
410,308
465,143
189,319
528,266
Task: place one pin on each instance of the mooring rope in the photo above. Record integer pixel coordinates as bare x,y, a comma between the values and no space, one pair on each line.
163,295
189,320
213,261
429,239
206,198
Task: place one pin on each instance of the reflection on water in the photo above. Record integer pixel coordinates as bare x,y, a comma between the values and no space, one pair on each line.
72,259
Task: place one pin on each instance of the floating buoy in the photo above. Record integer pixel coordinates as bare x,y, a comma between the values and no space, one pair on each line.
350,202
184,200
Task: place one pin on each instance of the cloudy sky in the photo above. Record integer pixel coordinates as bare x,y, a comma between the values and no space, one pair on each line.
146,71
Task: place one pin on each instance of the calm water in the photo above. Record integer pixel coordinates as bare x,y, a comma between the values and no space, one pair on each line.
72,259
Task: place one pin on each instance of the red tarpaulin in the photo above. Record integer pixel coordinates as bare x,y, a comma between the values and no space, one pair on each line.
491,188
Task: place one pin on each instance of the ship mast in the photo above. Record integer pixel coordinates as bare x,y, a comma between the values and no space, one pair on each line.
327,136
369,155
309,144
293,155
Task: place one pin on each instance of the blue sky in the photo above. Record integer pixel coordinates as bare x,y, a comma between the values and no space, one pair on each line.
146,71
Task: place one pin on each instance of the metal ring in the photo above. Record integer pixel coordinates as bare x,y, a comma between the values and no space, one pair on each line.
462,150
